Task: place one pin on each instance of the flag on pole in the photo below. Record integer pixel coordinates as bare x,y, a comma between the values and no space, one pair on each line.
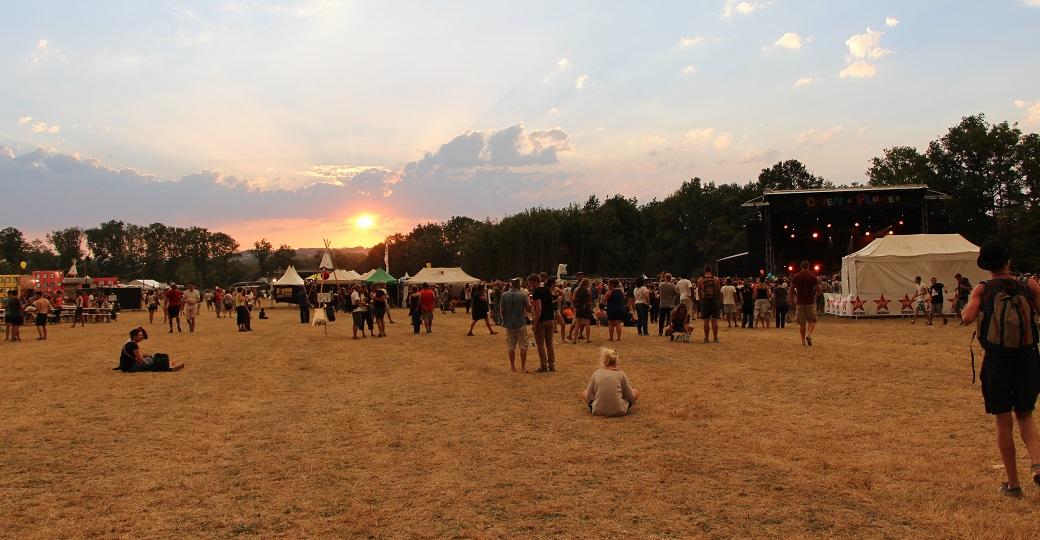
386,256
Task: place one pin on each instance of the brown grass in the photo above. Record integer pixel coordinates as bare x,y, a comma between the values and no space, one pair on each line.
874,432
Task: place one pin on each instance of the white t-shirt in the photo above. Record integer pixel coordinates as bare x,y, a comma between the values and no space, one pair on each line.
355,299
685,286
729,294
642,295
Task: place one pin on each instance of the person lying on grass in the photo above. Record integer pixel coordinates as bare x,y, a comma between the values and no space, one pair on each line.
609,392
131,360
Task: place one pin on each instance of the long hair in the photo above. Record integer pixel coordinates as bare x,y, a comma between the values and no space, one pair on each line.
607,357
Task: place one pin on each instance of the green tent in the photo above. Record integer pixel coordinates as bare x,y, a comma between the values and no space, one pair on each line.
380,276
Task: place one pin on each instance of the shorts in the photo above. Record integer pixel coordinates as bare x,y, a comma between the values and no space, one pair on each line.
517,337
709,309
921,306
1010,383
16,320
688,303
762,309
359,319
937,307
151,307
191,312
805,314
41,319
729,309
174,311
426,316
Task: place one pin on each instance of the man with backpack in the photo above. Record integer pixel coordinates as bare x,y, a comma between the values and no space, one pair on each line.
1006,310
709,290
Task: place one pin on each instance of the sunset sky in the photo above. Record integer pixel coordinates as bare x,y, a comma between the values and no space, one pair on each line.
350,120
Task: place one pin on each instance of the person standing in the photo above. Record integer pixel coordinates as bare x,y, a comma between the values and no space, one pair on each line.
414,313
747,304
938,293
13,317
805,286
238,301
479,309
467,297
173,306
379,310
514,309
359,299
303,301
729,303
582,313
782,305
43,310
963,292
667,294
709,290
616,302
642,302
191,300
218,301
81,305
762,301
427,301
1011,365
685,288
543,321
920,299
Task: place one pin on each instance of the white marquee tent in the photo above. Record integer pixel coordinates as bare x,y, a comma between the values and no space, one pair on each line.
290,278
878,279
442,276
339,277
146,284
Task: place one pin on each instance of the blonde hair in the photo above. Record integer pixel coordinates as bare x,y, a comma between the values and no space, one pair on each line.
607,357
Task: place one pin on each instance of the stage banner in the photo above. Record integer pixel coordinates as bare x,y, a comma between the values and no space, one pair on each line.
883,305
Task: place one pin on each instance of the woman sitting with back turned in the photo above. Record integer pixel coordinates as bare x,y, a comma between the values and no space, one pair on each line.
609,392
131,359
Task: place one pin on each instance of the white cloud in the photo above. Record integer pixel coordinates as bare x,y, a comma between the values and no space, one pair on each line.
6,151
723,142
819,137
1032,108
892,21
44,51
691,41
700,135
753,155
554,111
688,70
860,69
581,81
563,64
790,40
1018,103
860,132
743,7
804,81
38,127
1031,3
22,120
867,45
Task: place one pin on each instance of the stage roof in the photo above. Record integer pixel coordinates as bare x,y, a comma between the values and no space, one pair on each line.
763,200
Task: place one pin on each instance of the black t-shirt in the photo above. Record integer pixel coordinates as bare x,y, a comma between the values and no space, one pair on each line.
937,293
543,294
128,356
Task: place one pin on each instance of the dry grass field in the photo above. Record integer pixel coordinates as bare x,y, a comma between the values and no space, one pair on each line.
876,432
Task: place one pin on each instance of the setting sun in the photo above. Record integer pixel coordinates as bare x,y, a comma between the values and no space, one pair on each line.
365,221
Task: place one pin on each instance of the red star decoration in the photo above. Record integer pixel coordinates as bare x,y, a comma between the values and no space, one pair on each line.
857,304
882,304
908,303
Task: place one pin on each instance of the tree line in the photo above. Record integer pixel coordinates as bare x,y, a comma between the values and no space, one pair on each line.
991,172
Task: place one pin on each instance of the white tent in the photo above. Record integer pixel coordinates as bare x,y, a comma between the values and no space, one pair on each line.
326,262
879,279
146,284
439,276
290,278
72,271
338,277
366,275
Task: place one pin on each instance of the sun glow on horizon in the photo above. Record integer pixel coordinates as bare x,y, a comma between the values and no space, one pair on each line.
365,221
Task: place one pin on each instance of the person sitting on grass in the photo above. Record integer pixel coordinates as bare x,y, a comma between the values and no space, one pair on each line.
131,360
678,324
609,392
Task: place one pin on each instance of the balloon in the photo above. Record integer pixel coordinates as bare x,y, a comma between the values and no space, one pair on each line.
23,265
324,274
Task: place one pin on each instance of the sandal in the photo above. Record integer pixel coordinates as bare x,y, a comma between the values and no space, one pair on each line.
1013,492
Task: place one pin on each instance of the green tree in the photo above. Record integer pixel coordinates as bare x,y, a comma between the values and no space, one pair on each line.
262,249
282,257
13,248
900,165
790,174
69,245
